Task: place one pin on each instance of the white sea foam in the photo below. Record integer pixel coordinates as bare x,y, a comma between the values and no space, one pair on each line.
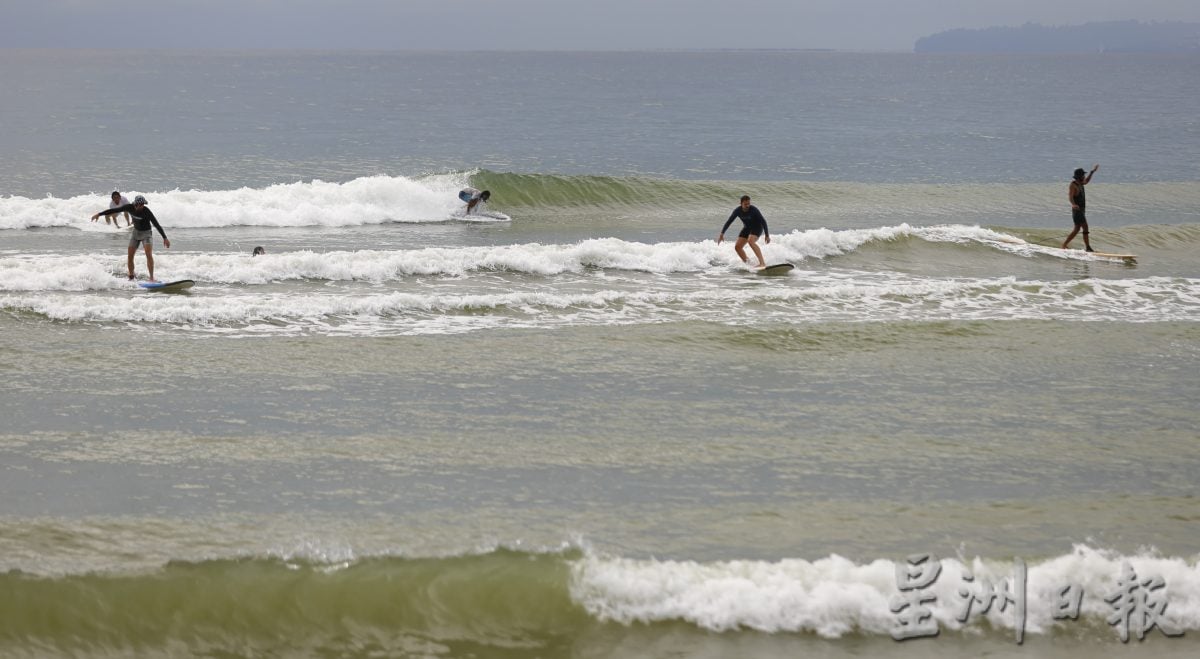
379,199
604,281
46,272
835,596
821,298
366,200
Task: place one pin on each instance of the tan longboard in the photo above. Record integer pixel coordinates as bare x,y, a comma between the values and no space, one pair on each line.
1106,255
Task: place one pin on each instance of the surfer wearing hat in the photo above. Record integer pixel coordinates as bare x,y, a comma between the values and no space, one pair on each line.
753,226
1078,200
144,224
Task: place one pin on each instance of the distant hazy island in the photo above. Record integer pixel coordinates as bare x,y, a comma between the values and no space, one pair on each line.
1108,37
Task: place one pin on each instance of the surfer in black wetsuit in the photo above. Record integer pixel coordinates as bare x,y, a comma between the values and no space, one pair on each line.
1078,198
753,226
144,224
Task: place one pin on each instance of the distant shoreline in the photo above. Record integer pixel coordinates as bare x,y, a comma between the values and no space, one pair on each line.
1106,37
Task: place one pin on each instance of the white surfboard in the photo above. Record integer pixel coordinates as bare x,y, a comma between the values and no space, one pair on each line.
479,216
1128,258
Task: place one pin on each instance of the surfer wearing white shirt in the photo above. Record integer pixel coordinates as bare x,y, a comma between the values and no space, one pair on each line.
753,225
118,199
473,197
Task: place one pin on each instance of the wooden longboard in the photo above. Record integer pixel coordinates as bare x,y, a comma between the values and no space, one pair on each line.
1106,255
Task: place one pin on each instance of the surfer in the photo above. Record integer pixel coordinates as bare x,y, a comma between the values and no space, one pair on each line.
1078,200
258,250
753,225
143,221
473,197
118,199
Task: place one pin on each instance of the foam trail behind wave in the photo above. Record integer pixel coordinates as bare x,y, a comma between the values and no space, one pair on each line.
378,199
23,272
362,201
822,298
834,596
555,595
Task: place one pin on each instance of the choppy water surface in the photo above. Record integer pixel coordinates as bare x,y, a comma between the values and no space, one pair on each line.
578,426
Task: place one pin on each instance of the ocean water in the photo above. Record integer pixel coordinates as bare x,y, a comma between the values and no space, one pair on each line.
576,426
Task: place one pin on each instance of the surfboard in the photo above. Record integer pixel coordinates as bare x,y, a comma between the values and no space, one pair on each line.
479,216
774,270
181,285
1106,255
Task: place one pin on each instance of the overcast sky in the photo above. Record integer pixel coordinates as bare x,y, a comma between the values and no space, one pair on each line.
889,25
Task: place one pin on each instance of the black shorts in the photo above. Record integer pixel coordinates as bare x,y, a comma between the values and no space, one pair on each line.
748,231
1079,218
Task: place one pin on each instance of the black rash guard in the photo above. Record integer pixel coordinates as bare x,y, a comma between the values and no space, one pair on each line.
1080,197
142,219
755,223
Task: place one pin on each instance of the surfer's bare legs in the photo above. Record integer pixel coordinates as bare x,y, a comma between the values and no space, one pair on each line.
1086,243
129,262
740,248
149,260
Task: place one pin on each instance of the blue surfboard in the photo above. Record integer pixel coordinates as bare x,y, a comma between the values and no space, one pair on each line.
181,285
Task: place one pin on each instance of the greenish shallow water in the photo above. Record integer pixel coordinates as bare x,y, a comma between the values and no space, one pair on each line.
861,439
586,430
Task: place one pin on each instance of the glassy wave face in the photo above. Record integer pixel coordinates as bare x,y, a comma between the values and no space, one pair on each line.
547,200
